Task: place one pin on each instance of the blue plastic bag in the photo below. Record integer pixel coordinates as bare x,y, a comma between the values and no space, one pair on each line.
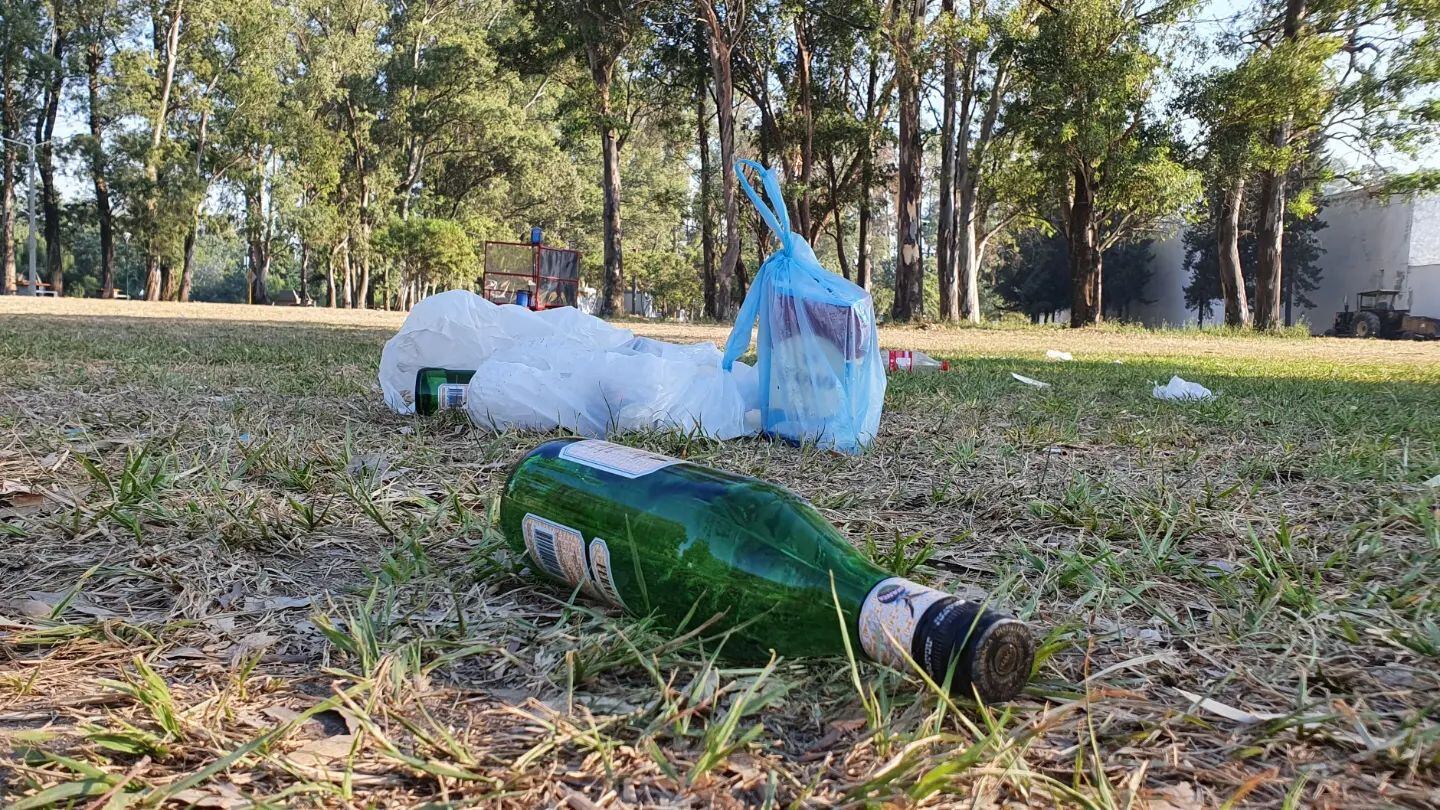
821,376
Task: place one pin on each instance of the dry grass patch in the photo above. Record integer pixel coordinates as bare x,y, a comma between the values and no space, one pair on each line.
232,578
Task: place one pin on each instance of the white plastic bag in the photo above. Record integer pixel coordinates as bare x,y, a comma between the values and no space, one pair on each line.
562,368
459,329
598,393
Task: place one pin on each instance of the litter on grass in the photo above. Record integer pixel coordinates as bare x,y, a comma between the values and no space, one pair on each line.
1055,354
562,368
1180,390
821,376
1030,380
819,379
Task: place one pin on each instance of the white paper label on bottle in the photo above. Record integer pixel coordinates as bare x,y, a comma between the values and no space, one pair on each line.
615,458
451,395
889,617
602,577
559,550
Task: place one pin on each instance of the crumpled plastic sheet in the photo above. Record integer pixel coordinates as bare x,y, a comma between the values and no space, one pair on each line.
561,368
1179,390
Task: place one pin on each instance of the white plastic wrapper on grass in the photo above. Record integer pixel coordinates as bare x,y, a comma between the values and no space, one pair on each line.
458,329
1030,381
1178,390
561,368
599,393
1056,354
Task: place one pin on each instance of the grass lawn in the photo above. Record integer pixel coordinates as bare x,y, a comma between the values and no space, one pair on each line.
228,575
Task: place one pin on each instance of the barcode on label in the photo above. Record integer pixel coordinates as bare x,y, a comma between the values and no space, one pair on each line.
558,549
452,395
545,552
601,575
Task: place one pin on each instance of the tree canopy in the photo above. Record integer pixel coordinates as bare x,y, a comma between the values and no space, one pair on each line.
359,153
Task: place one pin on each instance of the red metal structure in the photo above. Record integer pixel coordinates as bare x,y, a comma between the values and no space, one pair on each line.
531,275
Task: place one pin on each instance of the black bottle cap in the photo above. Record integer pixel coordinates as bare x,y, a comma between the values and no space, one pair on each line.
991,653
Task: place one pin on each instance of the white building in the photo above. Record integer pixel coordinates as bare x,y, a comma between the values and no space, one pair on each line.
1368,243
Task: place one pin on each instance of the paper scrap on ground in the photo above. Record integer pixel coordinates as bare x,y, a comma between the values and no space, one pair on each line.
1053,354
1179,390
1227,711
1029,380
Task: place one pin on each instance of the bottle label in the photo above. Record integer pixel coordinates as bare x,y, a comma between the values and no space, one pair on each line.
889,617
451,395
617,459
559,550
901,361
601,576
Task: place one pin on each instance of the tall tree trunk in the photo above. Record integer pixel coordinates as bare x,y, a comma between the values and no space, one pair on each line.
348,299
364,294
807,120
357,265
94,60
720,69
967,182
863,272
909,264
967,259
10,129
257,250
330,278
969,160
44,137
602,71
259,272
1270,268
945,245
304,292
838,213
1084,248
707,224
1227,241
187,263
170,46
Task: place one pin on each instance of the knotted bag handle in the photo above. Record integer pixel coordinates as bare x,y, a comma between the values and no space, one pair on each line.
774,213
778,219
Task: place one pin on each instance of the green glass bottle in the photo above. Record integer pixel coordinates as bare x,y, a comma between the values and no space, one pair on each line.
655,535
439,389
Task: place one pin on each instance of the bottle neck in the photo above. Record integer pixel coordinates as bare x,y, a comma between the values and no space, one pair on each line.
892,618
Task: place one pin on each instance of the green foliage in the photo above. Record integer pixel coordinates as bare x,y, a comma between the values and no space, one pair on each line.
433,252
1128,268
1091,69
1300,256
1032,276
296,133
